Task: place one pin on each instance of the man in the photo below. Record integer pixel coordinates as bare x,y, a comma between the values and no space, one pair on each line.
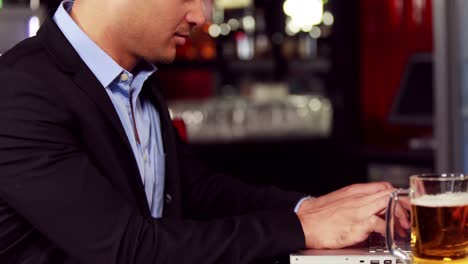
92,170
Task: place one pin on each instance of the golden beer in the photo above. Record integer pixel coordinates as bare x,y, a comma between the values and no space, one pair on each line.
439,232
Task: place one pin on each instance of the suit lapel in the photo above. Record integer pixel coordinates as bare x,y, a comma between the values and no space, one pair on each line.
91,86
70,62
67,58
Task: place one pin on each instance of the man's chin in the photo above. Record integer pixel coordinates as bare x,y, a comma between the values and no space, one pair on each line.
167,58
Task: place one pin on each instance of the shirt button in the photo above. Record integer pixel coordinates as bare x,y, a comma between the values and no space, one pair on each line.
124,77
145,157
168,198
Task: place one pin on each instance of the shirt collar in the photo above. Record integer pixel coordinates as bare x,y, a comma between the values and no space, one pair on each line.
98,61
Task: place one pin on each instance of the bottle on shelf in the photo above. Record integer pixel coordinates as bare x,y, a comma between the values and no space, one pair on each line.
263,44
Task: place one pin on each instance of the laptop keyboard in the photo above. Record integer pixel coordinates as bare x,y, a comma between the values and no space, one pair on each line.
377,243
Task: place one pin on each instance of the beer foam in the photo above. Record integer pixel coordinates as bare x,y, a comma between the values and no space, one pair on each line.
442,200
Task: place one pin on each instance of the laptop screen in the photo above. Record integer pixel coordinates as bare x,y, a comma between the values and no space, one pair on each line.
414,102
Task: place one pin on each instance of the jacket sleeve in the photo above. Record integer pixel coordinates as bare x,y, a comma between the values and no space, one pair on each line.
48,179
208,194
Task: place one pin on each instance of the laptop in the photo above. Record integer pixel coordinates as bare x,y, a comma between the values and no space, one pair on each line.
373,251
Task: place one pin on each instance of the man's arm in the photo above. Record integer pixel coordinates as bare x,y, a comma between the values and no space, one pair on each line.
48,178
208,194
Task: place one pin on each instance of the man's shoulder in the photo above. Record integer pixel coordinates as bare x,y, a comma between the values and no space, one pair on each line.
28,62
24,56
28,72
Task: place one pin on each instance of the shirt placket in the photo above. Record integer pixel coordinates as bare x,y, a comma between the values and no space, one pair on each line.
137,105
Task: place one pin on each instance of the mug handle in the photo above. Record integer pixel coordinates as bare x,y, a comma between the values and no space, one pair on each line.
390,216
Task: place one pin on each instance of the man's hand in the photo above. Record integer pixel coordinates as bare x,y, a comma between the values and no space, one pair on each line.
347,216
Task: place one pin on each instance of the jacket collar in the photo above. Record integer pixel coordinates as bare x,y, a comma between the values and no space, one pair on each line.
68,60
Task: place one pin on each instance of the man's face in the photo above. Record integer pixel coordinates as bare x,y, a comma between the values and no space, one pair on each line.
152,29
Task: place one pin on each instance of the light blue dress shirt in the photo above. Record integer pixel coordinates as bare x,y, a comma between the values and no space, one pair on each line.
134,111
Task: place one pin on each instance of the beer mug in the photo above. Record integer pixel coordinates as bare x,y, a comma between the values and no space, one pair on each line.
439,220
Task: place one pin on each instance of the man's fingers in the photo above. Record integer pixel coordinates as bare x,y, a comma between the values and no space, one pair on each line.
405,202
401,231
376,224
402,214
362,230
378,205
354,191
369,188
360,202
375,196
373,204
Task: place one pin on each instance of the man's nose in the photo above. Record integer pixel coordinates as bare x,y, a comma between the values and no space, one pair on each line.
196,15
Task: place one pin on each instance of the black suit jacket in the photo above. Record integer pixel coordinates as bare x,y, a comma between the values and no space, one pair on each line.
70,189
